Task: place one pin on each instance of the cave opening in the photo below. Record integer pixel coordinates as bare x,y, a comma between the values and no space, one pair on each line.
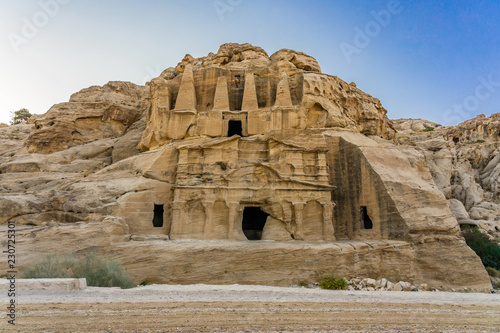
158,216
253,223
234,128
367,221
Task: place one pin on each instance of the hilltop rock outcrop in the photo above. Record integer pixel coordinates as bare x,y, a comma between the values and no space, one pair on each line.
464,161
313,99
92,114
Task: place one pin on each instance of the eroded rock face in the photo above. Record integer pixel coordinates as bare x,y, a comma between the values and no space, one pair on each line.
231,150
286,91
465,163
12,139
92,114
476,129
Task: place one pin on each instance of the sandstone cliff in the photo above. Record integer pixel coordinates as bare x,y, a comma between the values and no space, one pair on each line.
287,89
464,161
178,177
91,114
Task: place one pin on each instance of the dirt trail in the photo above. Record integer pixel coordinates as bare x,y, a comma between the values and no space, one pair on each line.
256,316
251,309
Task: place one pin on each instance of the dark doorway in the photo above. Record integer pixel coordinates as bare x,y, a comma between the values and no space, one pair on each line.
367,221
253,222
158,216
234,128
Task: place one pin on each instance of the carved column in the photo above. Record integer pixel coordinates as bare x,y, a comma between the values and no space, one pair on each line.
186,97
298,209
287,215
182,162
179,216
234,223
328,230
208,205
277,117
298,162
249,102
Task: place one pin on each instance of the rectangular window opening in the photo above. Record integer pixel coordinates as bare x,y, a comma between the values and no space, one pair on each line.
234,128
367,222
158,216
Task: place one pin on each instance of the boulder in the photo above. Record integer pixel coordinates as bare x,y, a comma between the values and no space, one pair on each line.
92,114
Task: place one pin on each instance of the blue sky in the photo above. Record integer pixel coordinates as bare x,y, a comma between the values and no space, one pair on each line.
437,60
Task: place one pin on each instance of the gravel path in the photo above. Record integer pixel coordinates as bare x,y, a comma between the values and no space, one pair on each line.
237,308
239,293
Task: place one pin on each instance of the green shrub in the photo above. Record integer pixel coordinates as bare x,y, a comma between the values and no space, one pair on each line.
333,283
97,271
485,248
100,273
474,142
51,267
303,284
428,129
493,272
497,285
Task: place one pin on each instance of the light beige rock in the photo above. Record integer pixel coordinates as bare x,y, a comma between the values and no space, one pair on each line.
281,263
413,125
275,230
253,169
458,209
283,97
425,287
126,145
231,55
53,285
186,99
479,128
263,96
371,283
92,114
12,139
390,285
290,60
249,102
464,163
221,99
398,287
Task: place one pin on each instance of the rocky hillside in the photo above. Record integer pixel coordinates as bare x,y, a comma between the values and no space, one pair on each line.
91,114
109,170
464,161
63,165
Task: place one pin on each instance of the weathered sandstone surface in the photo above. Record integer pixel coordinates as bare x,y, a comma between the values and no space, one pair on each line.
464,161
91,114
236,167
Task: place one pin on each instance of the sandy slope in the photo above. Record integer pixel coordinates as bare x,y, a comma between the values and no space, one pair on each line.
251,308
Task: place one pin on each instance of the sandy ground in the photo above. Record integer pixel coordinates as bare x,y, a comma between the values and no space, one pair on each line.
236,308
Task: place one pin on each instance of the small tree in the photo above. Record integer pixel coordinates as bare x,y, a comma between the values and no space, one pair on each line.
487,249
19,116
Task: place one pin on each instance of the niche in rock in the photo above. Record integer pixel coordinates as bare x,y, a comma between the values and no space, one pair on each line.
253,223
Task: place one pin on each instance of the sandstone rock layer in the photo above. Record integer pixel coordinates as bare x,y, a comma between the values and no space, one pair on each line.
236,167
